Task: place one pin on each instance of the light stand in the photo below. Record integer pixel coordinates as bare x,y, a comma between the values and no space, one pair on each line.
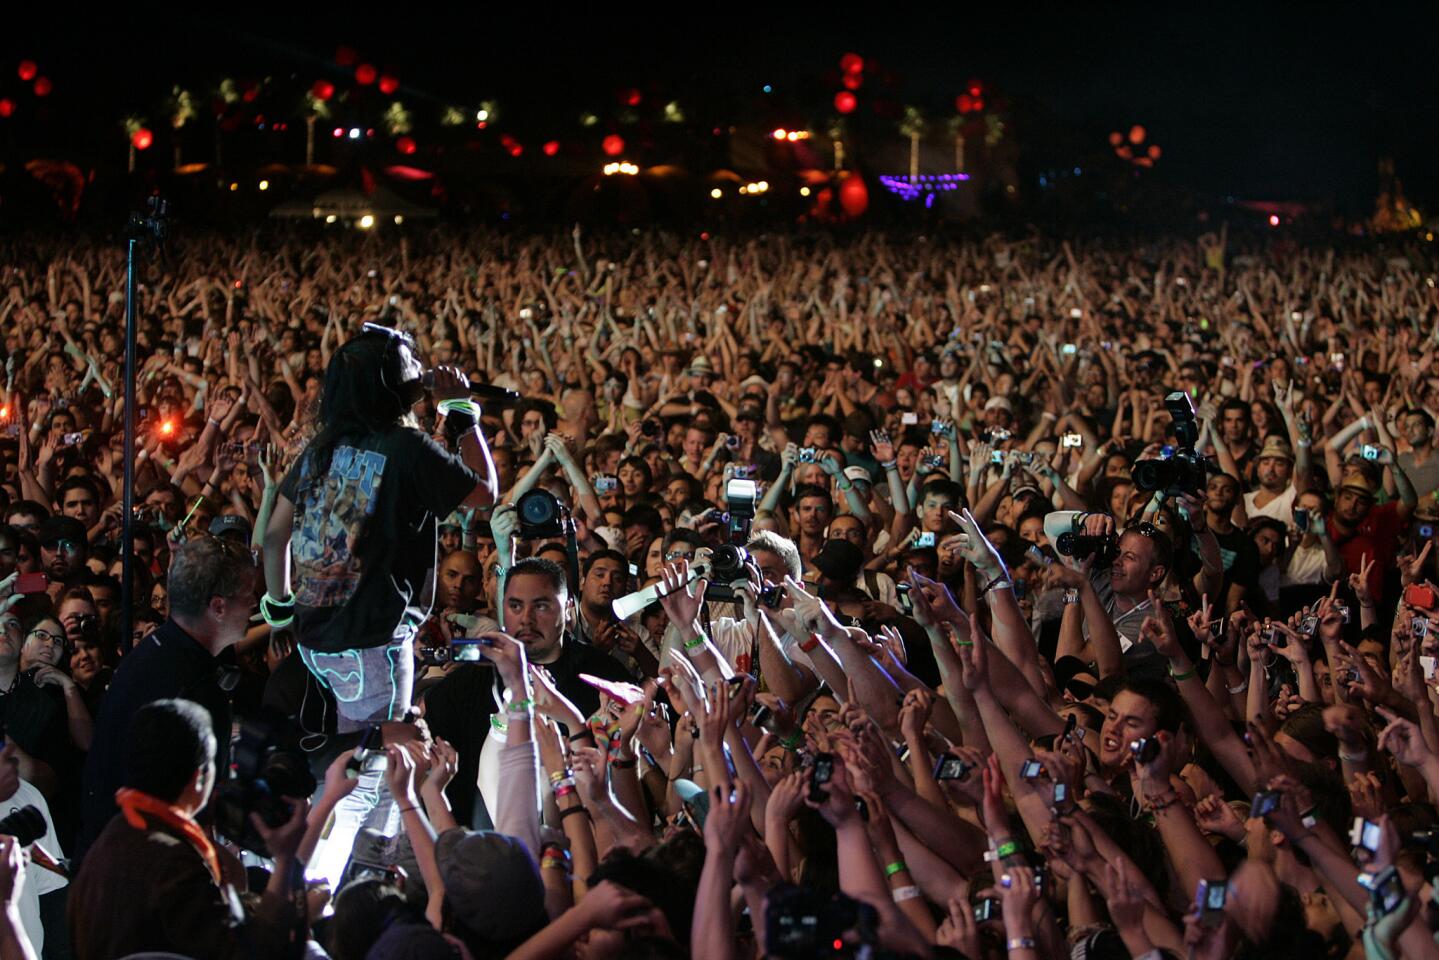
144,230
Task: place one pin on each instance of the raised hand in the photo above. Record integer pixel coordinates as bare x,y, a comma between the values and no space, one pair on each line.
883,448
683,597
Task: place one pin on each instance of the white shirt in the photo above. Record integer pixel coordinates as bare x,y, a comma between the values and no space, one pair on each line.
38,880
1281,508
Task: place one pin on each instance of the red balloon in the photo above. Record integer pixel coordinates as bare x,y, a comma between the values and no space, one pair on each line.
388,84
853,195
406,145
1154,152
7,107
964,103
28,70
613,145
142,138
1116,138
845,102
365,74
551,148
345,56
43,86
851,63
852,81
1136,134
323,89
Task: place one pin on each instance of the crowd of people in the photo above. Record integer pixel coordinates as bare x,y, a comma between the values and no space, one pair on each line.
1082,603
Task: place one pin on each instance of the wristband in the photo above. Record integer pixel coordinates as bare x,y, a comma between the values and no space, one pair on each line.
1359,757
520,706
1241,688
792,744
1156,804
811,643
629,764
557,776
564,790
889,465
553,863
896,867
575,809
694,644
999,581
277,613
1193,671
1308,819
901,894
1019,943
461,406
1008,849
555,851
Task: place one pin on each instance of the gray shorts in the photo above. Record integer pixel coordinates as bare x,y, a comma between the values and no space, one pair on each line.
370,685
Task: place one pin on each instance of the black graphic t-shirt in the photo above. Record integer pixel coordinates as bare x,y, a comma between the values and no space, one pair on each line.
363,543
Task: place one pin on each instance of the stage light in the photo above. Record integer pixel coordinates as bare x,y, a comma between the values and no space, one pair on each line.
142,138
331,218
780,133
366,222
339,132
399,219
613,145
264,184
354,133
234,187
716,193
551,148
804,191
167,428
365,74
1274,219
482,115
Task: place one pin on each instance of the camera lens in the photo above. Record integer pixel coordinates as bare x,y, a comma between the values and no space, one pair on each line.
537,508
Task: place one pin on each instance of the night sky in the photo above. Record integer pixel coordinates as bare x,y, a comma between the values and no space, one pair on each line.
1262,101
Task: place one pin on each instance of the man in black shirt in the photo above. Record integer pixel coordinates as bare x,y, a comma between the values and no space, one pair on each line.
212,595
537,613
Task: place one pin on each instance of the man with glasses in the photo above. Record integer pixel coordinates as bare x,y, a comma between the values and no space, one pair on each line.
63,551
33,722
9,550
212,596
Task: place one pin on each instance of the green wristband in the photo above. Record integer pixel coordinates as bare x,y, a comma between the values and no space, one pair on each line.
694,644
1007,849
893,868
1192,671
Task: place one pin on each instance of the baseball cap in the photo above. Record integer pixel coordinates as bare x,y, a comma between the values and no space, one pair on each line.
1277,448
492,883
999,403
231,528
839,560
55,528
858,475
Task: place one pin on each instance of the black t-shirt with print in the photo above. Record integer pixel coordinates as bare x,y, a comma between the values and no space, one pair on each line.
363,545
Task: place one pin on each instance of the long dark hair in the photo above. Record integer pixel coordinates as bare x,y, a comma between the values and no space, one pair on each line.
361,396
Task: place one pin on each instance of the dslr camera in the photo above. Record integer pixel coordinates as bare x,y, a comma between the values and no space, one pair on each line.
728,560
269,766
1184,471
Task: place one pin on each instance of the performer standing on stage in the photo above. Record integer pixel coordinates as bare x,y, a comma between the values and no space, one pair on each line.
357,513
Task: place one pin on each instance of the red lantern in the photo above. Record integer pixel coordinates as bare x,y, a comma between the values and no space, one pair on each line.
388,84
43,86
1116,138
1125,152
406,145
978,104
1154,151
613,145
345,56
851,63
28,70
1136,134
964,103
365,74
632,97
251,92
7,107
323,89
339,132
975,88
853,195
852,81
551,148
845,102
142,138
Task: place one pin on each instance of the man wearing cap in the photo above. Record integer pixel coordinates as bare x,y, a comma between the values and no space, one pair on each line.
494,897
231,528
1361,530
841,568
876,584
63,551
1281,481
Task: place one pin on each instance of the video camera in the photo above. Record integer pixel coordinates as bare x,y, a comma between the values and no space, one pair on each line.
1103,548
800,922
1185,471
268,766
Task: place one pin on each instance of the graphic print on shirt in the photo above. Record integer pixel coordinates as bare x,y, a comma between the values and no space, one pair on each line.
330,522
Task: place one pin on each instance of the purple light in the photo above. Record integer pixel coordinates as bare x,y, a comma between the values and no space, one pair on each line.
928,200
907,189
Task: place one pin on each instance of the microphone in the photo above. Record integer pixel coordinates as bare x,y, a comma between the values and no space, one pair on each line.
484,392
632,603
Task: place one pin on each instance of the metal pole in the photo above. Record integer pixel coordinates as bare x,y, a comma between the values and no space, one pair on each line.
127,543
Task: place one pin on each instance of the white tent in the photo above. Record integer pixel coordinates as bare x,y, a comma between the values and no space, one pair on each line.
348,205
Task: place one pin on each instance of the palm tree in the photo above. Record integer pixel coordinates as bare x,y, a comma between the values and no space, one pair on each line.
315,108
956,130
182,111
912,126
